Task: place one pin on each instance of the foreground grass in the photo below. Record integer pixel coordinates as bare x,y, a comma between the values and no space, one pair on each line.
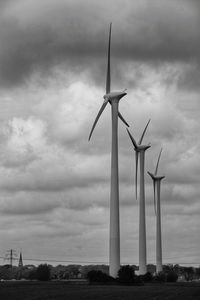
64,290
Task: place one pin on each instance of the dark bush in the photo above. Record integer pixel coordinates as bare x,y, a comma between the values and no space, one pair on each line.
139,280
161,277
148,277
99,277
43,272
189,273
32,274
172,276
6,272
126,275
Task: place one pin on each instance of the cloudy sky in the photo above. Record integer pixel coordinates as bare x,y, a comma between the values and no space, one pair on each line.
54,184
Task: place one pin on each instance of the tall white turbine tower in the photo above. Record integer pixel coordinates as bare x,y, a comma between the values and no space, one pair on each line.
156,186
113,98
140,150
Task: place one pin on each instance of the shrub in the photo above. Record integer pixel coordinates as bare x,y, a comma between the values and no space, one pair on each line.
172,276
126,275
32,274
148,277
43,272
139,280
161,277
6,272
99,276
189,273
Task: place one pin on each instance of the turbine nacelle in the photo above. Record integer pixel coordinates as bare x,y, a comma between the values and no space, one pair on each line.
156,179
114,96
142,148
159,177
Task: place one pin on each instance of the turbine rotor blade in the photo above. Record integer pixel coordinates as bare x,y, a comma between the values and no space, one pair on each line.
142,136
156,170
123,120
136,172
150,174
132,139
108,79
97,117
120,116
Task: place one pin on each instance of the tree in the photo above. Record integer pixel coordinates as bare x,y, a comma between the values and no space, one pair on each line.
85,269
73,271
32,274
168,268
6,272
148,277
126,275
161,277
198,272
43,272
172,276
189,273
99,276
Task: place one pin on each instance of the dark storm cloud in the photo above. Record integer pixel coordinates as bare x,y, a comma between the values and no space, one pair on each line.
37,37
22,51
3,3
166,31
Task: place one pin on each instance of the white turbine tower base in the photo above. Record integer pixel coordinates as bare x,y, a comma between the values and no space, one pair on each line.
159,267
142,219
140,150
114,255
113,98
156,186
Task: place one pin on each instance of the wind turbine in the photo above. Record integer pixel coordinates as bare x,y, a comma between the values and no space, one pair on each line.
156,185
140,152
113,98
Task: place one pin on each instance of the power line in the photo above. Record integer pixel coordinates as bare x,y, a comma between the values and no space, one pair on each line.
90,262
54,260
10,255
65,261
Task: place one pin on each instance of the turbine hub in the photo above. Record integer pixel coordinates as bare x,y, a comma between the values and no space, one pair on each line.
114,95
143,147
159,177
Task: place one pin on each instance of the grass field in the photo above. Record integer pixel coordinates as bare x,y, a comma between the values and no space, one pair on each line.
63,290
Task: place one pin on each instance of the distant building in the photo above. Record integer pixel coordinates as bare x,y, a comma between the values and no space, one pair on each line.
20,265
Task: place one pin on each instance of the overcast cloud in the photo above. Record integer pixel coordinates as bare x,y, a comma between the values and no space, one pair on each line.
54,200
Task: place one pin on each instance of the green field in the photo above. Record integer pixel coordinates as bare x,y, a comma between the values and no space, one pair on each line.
64,290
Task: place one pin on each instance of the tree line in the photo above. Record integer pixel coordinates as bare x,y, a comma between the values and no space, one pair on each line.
73,271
